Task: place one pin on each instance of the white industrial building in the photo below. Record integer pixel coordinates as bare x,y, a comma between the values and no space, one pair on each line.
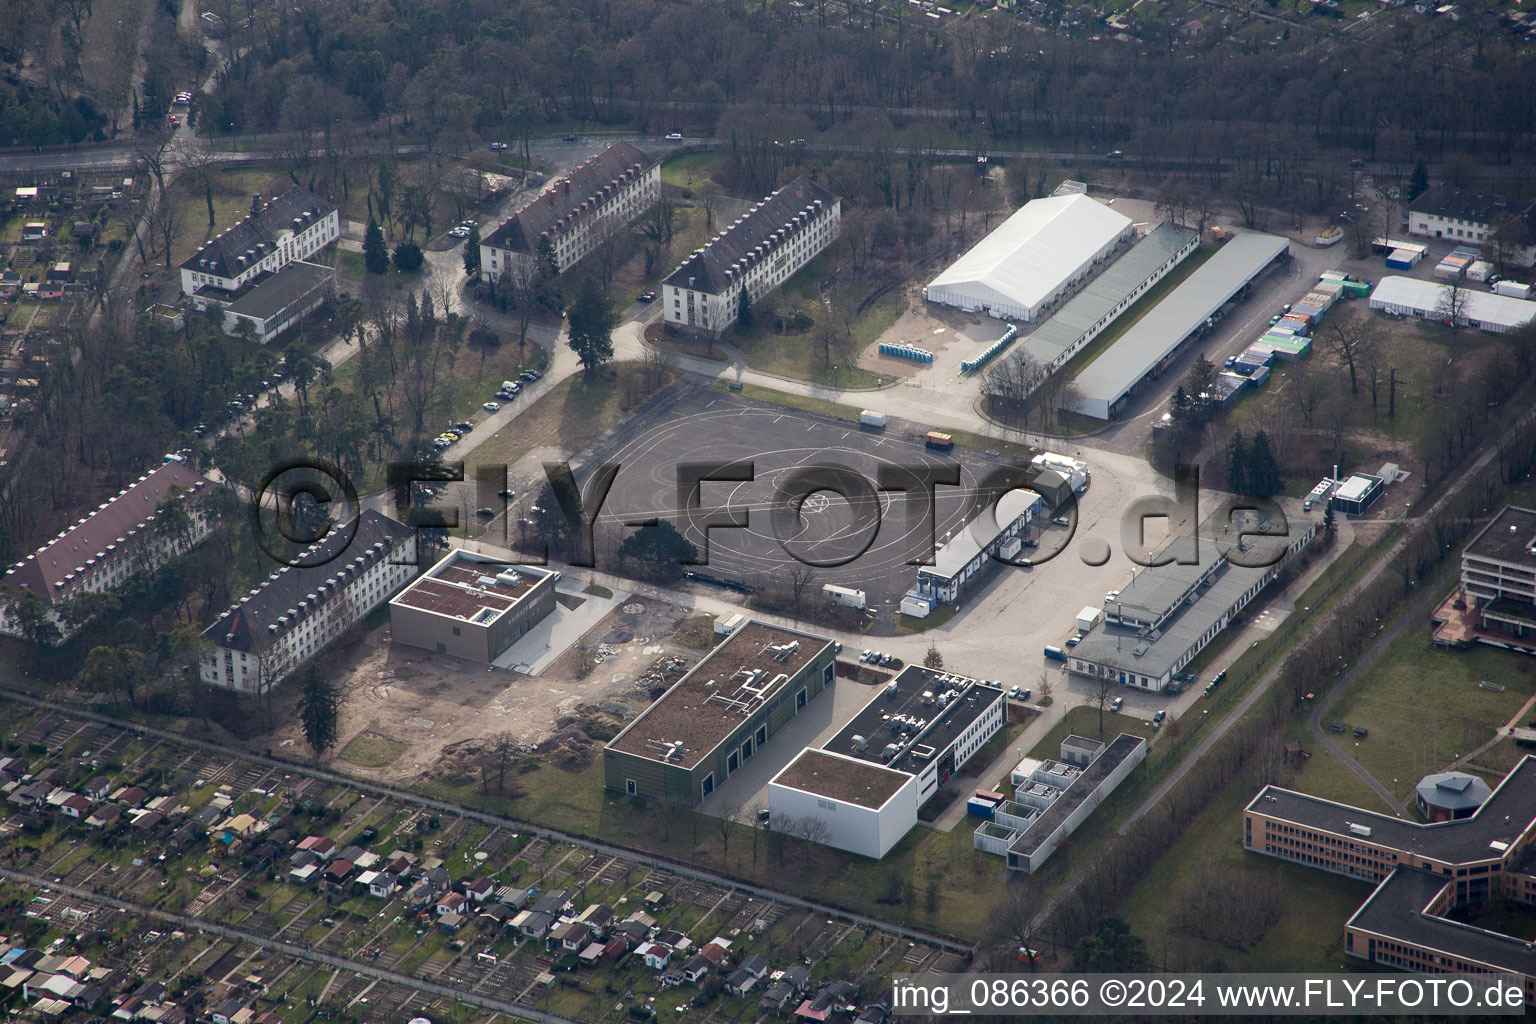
277,627
1031,261
759,252
997,533
866,784
1408,296
1053,798
575,213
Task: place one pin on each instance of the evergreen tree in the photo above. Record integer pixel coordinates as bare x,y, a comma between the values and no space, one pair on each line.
592,321
744,311
1418,184
1237,463
657,553
1263,469
549,266
472,252
408,257
375,254
319,711
1112,948
1328,515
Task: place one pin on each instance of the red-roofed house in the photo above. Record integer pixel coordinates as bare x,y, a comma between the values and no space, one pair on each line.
102,550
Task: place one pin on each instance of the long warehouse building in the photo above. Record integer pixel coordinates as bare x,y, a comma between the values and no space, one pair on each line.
1030,261
1110,380
1087,314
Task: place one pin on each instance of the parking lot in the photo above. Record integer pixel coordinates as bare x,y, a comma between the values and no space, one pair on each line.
778,447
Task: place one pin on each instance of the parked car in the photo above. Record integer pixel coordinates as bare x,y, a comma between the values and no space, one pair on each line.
486,513
1229,362
1074,639
864,655
459,232
647,297
505,396
498,145
1015,691
491,406
570,138
1026,693
464,425
675,137
1117,704
506,495
1157,719
1114,154
1062,521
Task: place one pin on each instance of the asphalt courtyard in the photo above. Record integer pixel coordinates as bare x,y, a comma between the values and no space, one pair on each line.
808,493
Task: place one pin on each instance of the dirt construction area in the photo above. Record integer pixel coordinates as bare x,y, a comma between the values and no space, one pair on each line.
410,713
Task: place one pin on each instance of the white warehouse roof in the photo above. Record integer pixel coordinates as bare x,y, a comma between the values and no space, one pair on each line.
1422,298
1027,257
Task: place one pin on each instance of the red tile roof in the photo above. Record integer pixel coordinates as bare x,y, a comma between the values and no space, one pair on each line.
103,534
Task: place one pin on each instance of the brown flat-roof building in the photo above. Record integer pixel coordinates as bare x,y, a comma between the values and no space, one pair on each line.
1421,873
714,719
471,606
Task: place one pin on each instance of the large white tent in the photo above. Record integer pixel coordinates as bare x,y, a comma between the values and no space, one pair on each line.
1032,259
1409,296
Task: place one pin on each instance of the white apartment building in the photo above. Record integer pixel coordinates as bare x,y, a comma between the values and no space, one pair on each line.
255,271
275,628
577,212
101,551
758,253
1468,216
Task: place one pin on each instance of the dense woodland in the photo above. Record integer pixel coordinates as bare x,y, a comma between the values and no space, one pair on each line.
445,68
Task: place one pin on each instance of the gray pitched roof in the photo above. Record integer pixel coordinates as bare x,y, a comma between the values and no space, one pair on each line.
254,237
567,199
244,627
1476,207
751,238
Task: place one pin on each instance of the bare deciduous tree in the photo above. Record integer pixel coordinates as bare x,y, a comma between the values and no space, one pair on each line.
1350,337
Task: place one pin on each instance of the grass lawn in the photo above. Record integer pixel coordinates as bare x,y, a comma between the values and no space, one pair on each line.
689,170
370,751
1140,308
572,415
1308,935
940,615
1424,707
800,355
231,204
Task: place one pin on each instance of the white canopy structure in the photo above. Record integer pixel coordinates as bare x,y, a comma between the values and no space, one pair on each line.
1032,259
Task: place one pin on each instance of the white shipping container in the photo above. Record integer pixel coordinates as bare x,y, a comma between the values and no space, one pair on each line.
870,418
845,596
1087,617
1479,271
1514,289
